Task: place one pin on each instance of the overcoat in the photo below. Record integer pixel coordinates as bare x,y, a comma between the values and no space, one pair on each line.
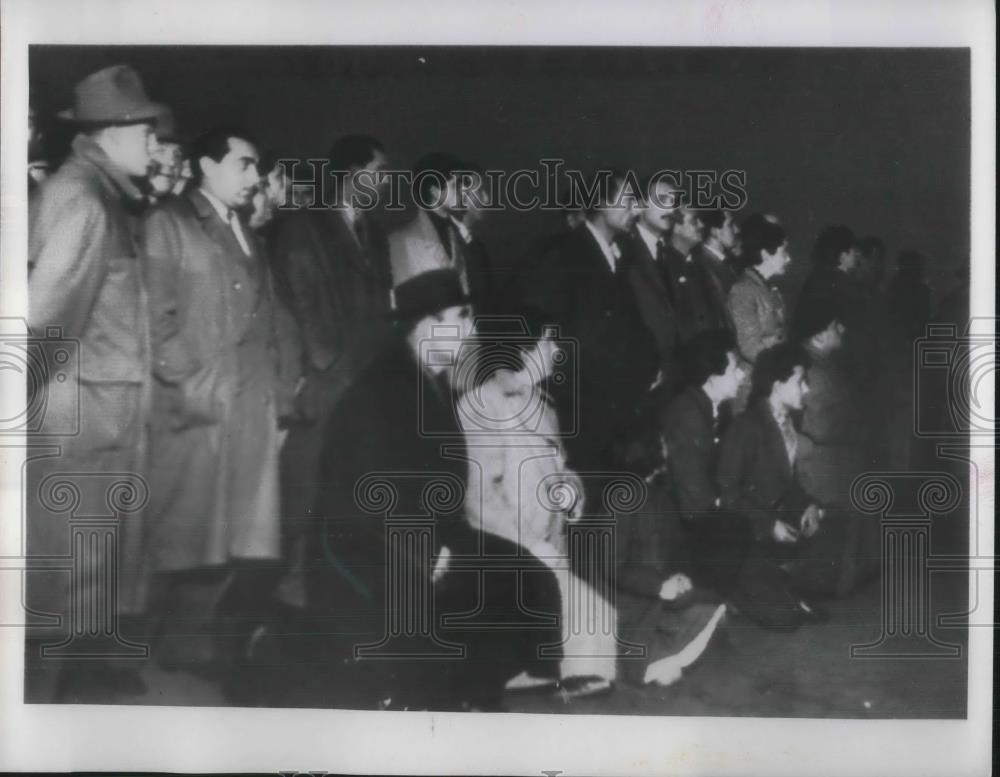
86,301
220,386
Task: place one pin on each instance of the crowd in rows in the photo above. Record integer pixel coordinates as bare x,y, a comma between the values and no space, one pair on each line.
415,453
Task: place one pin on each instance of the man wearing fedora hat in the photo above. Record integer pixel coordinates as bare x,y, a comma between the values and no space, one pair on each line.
85,285
398,424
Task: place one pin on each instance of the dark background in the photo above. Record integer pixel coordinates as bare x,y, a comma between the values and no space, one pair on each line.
874,138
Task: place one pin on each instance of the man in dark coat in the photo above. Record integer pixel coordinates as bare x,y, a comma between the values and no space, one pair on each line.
394,453
691,431
697,297
758,479
86,287
581,285
333,274
645,253
834,277
720,237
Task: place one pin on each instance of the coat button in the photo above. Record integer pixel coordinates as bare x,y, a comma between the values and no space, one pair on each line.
683,279
237,285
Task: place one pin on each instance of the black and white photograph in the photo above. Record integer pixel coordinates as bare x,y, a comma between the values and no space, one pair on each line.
529,388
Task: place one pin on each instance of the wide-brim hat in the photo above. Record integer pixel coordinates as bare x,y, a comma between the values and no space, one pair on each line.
114,95
427,293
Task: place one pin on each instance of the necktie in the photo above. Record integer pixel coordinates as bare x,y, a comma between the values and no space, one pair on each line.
661,265
234,224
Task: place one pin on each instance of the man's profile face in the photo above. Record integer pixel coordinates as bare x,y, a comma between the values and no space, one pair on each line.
835,335
689,226
442,335
368,177
778,261
621,213
849,260
132,147
729,233
234,178
732,378
791,392
658,211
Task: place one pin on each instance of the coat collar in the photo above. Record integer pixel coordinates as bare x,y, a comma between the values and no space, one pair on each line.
92,154
216,228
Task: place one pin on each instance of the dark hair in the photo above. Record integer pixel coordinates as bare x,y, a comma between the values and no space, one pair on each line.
352,151
215,145
435,169
831,243
759,234
706,354
712,219
650,182
775,365
609,185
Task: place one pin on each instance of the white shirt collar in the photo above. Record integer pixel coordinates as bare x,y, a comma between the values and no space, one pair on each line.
720,256
220,208
463,231
610,250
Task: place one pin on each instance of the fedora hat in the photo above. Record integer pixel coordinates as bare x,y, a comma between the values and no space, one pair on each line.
114,95
429,292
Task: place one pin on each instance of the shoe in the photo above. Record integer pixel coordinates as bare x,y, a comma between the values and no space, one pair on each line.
525,682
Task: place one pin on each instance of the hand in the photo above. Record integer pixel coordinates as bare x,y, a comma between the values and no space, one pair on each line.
784,533
675,586
809,523
440,564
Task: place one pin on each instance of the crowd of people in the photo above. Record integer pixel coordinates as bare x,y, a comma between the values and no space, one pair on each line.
392,446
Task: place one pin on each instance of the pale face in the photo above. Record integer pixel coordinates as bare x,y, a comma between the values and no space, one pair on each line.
732,378
366,178
832,338
849,260
776,263
453,199
689,226
729,233
658,212
234,178
166,167
457,320
622,214
792,392
131,147
269,196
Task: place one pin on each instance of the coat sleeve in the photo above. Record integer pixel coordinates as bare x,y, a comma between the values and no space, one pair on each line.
299,257
736,492
288,345
173,359
746,318
689,457
638,573
67,263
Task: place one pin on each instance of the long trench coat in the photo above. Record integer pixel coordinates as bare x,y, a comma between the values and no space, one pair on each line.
219,390
87,302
